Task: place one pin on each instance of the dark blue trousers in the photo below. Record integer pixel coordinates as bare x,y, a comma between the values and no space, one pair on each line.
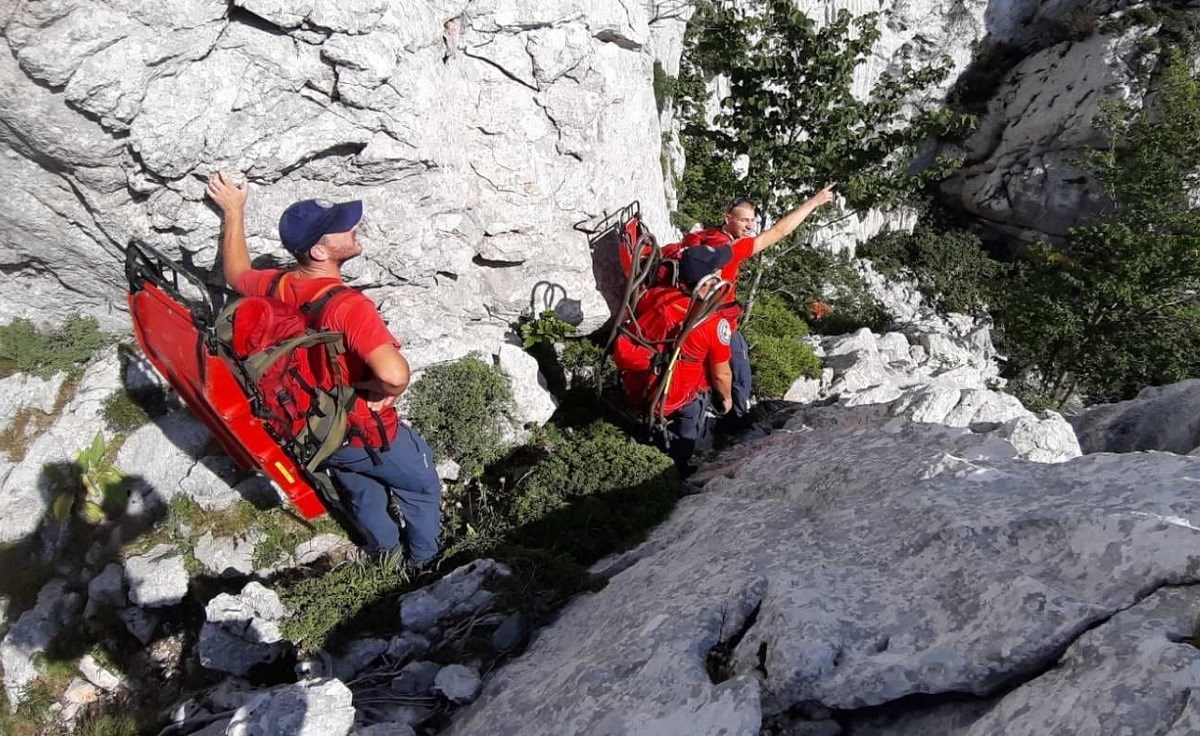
739,364
687,430
408,471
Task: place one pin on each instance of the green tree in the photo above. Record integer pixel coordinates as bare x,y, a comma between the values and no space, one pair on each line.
951,269
792,116
1115,308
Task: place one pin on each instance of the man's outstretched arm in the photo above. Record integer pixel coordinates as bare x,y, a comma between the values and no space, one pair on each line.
231,198
789,222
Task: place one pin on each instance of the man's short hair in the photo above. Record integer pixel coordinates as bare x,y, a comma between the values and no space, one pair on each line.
737,201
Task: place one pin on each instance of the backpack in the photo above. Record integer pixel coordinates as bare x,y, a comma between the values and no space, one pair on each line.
644,344
292,373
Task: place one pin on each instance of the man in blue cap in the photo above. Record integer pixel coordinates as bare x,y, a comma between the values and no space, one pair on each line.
383,457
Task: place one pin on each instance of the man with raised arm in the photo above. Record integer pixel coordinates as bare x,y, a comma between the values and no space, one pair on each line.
737,233
383,457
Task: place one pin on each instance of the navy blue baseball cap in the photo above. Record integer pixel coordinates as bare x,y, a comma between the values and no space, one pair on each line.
700,260
303,223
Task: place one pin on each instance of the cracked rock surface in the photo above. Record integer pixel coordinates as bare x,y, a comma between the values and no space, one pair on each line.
852,559
477,132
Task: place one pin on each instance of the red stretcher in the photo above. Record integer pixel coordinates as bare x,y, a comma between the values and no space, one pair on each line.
173,312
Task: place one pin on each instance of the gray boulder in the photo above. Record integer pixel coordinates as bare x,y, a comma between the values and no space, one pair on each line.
459,593
322,545
457,683
1163,418
306,708
359,654
854,560
242,631
156,578
96,674
139,622
416,678
107,590
227,556
34,631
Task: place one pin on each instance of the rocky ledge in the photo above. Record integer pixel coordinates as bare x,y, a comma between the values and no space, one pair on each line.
854,570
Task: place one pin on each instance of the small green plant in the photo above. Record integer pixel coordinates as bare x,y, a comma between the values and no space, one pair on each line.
584,363
951,269
545,328
99,491
28,350
322,604
462,409
777,357
122,413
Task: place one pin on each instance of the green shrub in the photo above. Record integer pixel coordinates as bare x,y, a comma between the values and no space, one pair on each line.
462,409
320,605
777,357
777,362
951,269
43,354
589,491
801,275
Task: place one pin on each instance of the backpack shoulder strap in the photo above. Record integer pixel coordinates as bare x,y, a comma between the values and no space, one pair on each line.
312,310
274,288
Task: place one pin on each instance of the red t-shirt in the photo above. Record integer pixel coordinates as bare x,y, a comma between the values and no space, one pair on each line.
743,248
660,312
351,313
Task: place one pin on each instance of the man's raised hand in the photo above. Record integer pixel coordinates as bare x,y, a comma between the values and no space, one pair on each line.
226,193
825,196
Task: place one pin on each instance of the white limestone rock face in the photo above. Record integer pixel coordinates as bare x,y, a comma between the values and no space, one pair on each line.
26,489
1163,418
477,133
853,560
164,455
1022,175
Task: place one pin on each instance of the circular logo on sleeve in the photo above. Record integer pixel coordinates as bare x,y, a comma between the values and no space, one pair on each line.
724,331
